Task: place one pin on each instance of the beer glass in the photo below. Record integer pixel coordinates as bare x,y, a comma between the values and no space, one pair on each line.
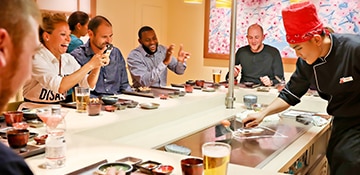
216,74
82,95
216,157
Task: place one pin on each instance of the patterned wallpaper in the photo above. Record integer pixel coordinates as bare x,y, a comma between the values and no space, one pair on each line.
342,16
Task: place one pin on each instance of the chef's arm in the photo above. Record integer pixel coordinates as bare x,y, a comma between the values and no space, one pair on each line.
254,119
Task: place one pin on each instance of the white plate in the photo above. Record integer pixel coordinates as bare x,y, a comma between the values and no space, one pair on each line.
149,105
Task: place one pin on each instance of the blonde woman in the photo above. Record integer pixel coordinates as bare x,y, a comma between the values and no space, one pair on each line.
55,72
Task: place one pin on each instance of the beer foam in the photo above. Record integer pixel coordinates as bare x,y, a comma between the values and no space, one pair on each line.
216,151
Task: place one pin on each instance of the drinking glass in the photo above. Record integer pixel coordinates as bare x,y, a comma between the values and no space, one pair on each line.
216,157
54,119
82,95
216,74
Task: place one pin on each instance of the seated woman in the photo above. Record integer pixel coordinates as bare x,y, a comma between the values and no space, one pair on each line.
55,72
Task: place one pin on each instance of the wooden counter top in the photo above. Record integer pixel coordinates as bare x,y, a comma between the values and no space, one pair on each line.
137,132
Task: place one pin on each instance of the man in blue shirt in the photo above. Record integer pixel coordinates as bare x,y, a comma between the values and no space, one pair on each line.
113,78
149,62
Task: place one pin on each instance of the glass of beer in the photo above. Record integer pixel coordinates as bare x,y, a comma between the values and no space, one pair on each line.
216,157
216,73
82,95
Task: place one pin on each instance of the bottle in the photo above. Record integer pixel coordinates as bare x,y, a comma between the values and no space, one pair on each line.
55,151
55,145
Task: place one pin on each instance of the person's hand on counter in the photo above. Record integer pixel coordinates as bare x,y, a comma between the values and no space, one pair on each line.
266,81
252,120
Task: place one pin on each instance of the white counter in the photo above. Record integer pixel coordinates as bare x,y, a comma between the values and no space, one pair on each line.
136,132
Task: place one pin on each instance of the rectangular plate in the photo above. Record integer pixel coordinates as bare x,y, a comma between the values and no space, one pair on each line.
68,105
88,170
129,160
147,166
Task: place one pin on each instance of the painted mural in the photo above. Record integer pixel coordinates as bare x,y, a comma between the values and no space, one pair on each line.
342,16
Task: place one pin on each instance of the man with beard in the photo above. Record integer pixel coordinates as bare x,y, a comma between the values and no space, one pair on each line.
113,78
148,63
19,23
259,63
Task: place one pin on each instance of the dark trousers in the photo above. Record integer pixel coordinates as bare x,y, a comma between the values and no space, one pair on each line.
343,152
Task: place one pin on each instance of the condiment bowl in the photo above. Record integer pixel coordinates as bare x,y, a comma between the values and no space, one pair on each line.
18,138
103,168
109,100
163,170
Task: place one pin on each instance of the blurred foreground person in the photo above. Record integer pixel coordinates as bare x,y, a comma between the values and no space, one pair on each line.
332,60
19,23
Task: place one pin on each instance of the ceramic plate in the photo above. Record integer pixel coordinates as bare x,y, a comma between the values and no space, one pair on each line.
149,105
208,89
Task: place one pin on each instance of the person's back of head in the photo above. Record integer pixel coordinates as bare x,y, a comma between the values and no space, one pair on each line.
19,20
78,17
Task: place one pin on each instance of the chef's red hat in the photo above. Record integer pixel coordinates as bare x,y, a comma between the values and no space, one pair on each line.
301,22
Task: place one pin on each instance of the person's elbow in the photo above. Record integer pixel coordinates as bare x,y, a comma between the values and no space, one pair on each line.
62,90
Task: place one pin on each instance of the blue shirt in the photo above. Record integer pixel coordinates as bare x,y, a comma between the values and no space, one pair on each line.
113,78
149,70
74,43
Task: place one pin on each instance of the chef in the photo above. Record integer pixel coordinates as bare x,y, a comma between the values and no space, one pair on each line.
332,62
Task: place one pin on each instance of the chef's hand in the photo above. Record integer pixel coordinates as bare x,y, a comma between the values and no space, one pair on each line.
112,171
182,55
266,80
252,120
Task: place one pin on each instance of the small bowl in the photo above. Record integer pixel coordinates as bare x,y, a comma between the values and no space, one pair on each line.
20,125
148,166
133,104
120,106
103,168
248,84
109,100
130,160
149,105
200,83
163,97
163,170
182,93
110,108
30,114
18,138
191,82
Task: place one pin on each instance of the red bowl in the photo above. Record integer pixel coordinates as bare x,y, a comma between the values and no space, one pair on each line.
110,108
163,170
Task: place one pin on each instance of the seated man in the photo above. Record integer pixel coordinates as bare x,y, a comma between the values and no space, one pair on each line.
113,78
148,63
259,63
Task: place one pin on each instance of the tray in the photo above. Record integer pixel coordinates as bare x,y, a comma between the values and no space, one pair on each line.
154,92
91,169
68,105
88,170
